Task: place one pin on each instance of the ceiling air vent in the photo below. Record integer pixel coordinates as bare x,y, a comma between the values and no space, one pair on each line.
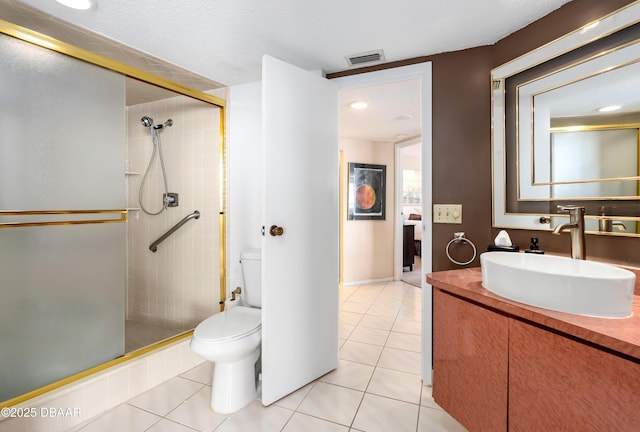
366,58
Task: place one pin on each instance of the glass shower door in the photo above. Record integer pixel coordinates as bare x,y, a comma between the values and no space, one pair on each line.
62,183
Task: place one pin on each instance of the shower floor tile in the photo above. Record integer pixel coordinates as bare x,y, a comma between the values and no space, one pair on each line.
138,334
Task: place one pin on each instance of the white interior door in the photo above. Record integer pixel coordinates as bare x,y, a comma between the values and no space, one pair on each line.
300,267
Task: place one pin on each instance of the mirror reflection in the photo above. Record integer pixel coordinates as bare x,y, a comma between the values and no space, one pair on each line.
566,120
563,142
589,163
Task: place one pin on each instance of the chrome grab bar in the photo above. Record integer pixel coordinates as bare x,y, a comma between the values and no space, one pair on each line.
154,246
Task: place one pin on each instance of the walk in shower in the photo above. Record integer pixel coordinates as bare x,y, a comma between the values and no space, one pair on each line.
172,289
80,286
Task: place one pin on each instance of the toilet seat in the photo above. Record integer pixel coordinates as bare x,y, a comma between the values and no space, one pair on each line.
235,323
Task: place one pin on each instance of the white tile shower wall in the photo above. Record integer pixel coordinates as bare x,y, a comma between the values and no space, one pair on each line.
84,399
176,287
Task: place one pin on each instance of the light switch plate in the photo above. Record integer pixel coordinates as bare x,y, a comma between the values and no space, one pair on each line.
447,213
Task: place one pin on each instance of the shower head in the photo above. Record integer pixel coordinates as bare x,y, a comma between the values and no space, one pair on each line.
146,121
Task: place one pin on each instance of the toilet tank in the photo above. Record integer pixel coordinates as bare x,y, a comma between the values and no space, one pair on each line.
251,261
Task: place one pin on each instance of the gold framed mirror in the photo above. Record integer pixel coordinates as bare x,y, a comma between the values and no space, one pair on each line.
537,163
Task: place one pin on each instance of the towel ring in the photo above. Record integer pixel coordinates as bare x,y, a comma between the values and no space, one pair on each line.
457,238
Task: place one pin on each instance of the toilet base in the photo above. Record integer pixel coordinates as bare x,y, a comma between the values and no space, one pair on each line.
234,385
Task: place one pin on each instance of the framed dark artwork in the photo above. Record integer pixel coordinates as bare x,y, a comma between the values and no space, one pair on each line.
367,191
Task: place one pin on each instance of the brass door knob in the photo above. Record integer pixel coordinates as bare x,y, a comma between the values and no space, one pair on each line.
275,230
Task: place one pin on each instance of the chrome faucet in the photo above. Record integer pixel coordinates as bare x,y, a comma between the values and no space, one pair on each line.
606,225
575,228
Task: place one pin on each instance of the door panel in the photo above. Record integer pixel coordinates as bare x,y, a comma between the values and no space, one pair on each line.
62,295
300,267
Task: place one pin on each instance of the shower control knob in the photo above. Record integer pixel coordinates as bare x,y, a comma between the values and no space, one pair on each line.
275,230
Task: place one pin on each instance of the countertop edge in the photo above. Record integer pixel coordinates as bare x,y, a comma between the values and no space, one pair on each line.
621,335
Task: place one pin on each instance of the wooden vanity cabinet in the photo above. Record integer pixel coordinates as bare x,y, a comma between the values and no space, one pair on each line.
493,372
470,363
560,384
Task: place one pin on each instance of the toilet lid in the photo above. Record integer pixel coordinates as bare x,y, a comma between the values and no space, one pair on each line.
231,324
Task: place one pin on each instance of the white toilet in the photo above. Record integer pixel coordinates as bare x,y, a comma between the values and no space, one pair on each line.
231,340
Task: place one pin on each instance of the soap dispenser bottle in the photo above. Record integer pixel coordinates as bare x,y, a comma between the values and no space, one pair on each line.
534,248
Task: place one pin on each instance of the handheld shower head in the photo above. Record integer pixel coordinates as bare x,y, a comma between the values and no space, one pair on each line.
146,121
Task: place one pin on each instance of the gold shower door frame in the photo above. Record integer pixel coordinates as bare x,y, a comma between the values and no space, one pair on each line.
52,44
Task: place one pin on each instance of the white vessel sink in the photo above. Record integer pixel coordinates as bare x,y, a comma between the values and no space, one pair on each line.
560,284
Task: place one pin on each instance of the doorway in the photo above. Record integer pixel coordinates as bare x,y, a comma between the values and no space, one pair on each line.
421,73
374,120
409,201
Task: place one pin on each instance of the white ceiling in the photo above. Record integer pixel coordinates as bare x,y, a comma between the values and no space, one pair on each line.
393,113
224,40
580,98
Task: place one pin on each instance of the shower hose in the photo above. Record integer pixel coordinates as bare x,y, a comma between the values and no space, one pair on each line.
157,150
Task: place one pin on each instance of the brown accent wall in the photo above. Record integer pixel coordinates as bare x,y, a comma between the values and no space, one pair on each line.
462,150
462,136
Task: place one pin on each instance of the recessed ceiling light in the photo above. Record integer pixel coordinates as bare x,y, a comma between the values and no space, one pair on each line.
358,105
79,4
404,117
609,108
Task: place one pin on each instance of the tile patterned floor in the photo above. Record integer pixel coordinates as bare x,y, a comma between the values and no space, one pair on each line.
377,386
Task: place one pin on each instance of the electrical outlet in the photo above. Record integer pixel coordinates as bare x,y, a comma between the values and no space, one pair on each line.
447,213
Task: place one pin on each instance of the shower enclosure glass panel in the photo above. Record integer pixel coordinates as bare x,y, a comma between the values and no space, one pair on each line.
62,147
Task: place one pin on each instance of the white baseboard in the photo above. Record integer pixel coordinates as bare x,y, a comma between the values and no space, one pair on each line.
368,281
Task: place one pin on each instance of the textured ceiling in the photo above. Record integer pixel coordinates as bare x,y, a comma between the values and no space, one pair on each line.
207,44
224,40
137,92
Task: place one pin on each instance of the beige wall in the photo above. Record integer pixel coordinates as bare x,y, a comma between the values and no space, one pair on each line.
411,161
368,245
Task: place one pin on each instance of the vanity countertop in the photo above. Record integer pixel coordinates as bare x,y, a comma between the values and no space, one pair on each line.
621,335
